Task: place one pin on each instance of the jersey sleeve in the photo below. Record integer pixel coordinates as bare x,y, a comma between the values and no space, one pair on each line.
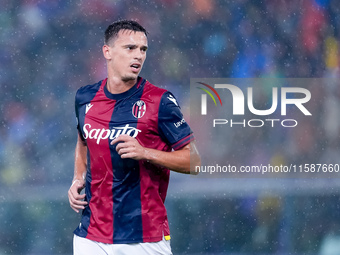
171,124
76,105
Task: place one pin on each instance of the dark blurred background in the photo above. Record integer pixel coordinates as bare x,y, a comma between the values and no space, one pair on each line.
50,48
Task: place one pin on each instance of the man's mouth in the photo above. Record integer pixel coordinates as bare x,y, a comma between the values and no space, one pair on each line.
135,67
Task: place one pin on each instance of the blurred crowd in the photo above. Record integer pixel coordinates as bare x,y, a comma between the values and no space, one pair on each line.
48,49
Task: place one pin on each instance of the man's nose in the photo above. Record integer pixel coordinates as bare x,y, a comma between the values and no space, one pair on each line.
139,55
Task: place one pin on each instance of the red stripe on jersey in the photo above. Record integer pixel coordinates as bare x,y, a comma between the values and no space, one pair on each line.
139,83
153,180
181,143
101,203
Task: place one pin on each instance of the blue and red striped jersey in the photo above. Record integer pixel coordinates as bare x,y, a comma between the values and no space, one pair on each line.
125,196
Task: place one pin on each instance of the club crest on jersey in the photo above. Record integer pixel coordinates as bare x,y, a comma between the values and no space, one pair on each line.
138,109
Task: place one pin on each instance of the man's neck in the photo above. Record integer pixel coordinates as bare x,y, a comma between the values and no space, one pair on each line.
117,86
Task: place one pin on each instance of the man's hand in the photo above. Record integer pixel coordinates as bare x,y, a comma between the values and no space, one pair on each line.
179,160
76,200
129,147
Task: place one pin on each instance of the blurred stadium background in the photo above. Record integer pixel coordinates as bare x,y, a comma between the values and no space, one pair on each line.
49,48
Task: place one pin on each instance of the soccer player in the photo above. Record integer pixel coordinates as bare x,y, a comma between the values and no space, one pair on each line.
130,133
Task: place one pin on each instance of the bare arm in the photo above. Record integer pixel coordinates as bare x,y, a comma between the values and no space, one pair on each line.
179,161
78,183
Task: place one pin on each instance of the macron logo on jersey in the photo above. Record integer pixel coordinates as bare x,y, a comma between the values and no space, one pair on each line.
103,134
172,99
88,107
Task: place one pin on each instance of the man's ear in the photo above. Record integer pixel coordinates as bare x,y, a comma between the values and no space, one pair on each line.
106,52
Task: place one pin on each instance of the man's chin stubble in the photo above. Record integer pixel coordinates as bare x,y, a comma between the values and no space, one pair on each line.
129,78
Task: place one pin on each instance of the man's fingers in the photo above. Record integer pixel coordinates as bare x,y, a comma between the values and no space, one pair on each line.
76,208
76,200
121,146
80,198
73,191
79,201
123,152
121,138
125,146
128,155
128,147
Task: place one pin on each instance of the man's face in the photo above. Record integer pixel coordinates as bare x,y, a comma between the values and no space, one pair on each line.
127,53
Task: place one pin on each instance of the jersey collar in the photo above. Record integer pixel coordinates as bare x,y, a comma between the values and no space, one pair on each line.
124,94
